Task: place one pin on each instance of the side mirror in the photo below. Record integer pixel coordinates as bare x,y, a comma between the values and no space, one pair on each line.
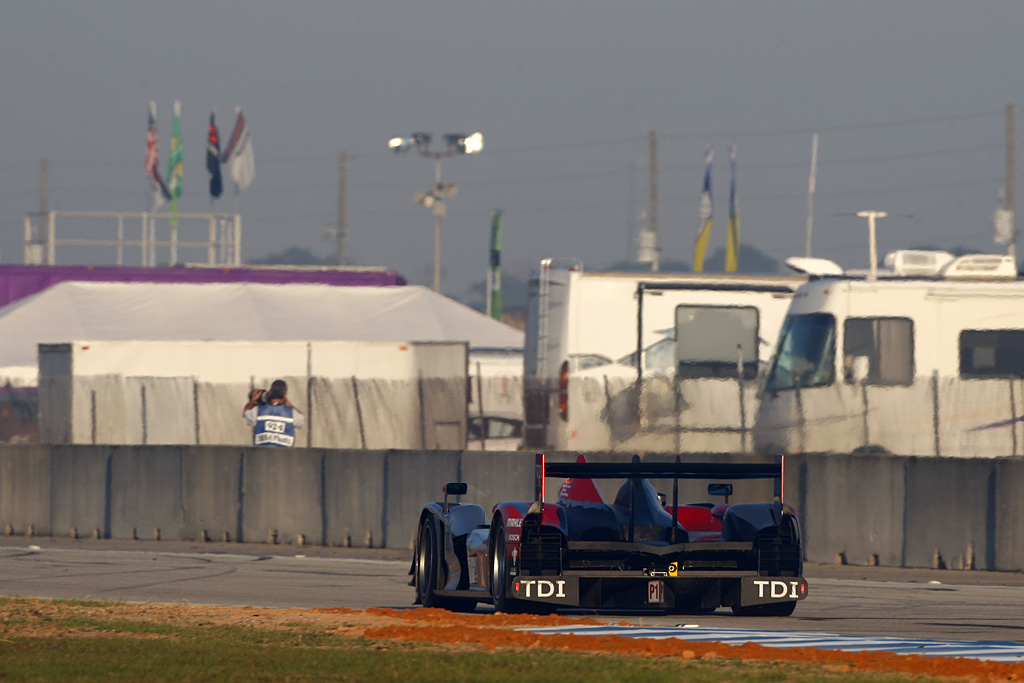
455,489
720,490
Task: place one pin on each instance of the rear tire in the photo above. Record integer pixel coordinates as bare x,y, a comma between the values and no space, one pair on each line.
777,609
427,571
499,570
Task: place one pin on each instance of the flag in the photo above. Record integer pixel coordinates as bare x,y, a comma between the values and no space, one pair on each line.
705,215
213,158
158,189
494,271
238,156
175,157
732,244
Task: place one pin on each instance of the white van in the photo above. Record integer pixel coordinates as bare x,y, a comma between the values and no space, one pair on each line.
647,362
906,363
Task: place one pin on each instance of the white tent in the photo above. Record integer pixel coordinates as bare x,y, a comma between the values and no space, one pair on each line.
238,312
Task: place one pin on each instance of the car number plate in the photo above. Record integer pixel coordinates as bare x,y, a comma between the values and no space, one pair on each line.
656,592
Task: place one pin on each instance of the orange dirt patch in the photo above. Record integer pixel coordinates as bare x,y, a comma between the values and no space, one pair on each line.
488,631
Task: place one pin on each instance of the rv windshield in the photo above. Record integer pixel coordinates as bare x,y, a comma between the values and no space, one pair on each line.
806,355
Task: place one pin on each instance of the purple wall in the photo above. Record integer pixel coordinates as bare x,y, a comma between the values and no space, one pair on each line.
19,281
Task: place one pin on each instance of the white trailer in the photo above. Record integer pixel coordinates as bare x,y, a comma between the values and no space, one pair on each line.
910,365
647,362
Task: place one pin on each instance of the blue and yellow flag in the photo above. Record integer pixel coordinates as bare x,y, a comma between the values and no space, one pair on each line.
732,244
701,247
175,174
494,270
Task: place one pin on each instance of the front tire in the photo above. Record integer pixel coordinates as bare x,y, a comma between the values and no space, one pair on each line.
428,569
426,566
500,570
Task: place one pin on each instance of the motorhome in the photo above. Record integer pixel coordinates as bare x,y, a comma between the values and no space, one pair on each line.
924,359
647,362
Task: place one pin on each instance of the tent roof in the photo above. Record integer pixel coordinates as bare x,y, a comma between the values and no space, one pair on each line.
240,312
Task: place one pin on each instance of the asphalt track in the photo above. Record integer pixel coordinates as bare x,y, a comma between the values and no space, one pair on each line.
863,607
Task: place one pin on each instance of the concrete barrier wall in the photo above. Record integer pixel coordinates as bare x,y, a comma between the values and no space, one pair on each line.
353,494
950,498
1007,550
865,509
145,492
25,489
79,484
211,496
849,505
955,513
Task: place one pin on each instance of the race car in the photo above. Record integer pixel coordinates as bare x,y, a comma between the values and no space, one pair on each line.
634,553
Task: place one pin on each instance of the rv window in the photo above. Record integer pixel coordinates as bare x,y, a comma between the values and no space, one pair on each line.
887,346
712,340
806,353
992,353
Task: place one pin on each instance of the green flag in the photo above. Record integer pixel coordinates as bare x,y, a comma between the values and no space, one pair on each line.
494,271
175,167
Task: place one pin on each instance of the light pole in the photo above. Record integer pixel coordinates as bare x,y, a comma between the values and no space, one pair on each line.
455,144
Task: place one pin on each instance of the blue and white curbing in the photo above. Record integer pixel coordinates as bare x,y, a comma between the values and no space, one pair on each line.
994,651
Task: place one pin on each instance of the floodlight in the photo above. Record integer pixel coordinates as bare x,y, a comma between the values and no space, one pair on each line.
473,144
397,145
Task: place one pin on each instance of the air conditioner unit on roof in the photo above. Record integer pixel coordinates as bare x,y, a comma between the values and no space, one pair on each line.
917,262
981,267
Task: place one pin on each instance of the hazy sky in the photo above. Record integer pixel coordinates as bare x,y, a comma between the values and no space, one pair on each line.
909,99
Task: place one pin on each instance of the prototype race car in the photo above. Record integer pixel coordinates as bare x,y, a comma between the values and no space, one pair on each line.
634,553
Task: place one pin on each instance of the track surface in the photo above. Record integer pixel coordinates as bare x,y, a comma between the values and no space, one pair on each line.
849,601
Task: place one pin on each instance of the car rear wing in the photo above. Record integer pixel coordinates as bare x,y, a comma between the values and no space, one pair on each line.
660,470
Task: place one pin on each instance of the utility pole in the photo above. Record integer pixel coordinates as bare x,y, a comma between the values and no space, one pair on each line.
652,213
342,228
1010,179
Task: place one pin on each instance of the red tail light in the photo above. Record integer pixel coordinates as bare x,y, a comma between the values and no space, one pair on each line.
563,391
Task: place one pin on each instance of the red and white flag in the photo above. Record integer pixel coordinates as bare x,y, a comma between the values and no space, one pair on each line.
158,190
238,156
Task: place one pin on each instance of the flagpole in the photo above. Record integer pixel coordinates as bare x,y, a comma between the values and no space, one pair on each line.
811,182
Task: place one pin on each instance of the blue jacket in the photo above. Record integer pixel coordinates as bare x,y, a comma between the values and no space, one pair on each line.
275,425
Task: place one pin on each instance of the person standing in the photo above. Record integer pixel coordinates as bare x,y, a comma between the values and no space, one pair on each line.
272,416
